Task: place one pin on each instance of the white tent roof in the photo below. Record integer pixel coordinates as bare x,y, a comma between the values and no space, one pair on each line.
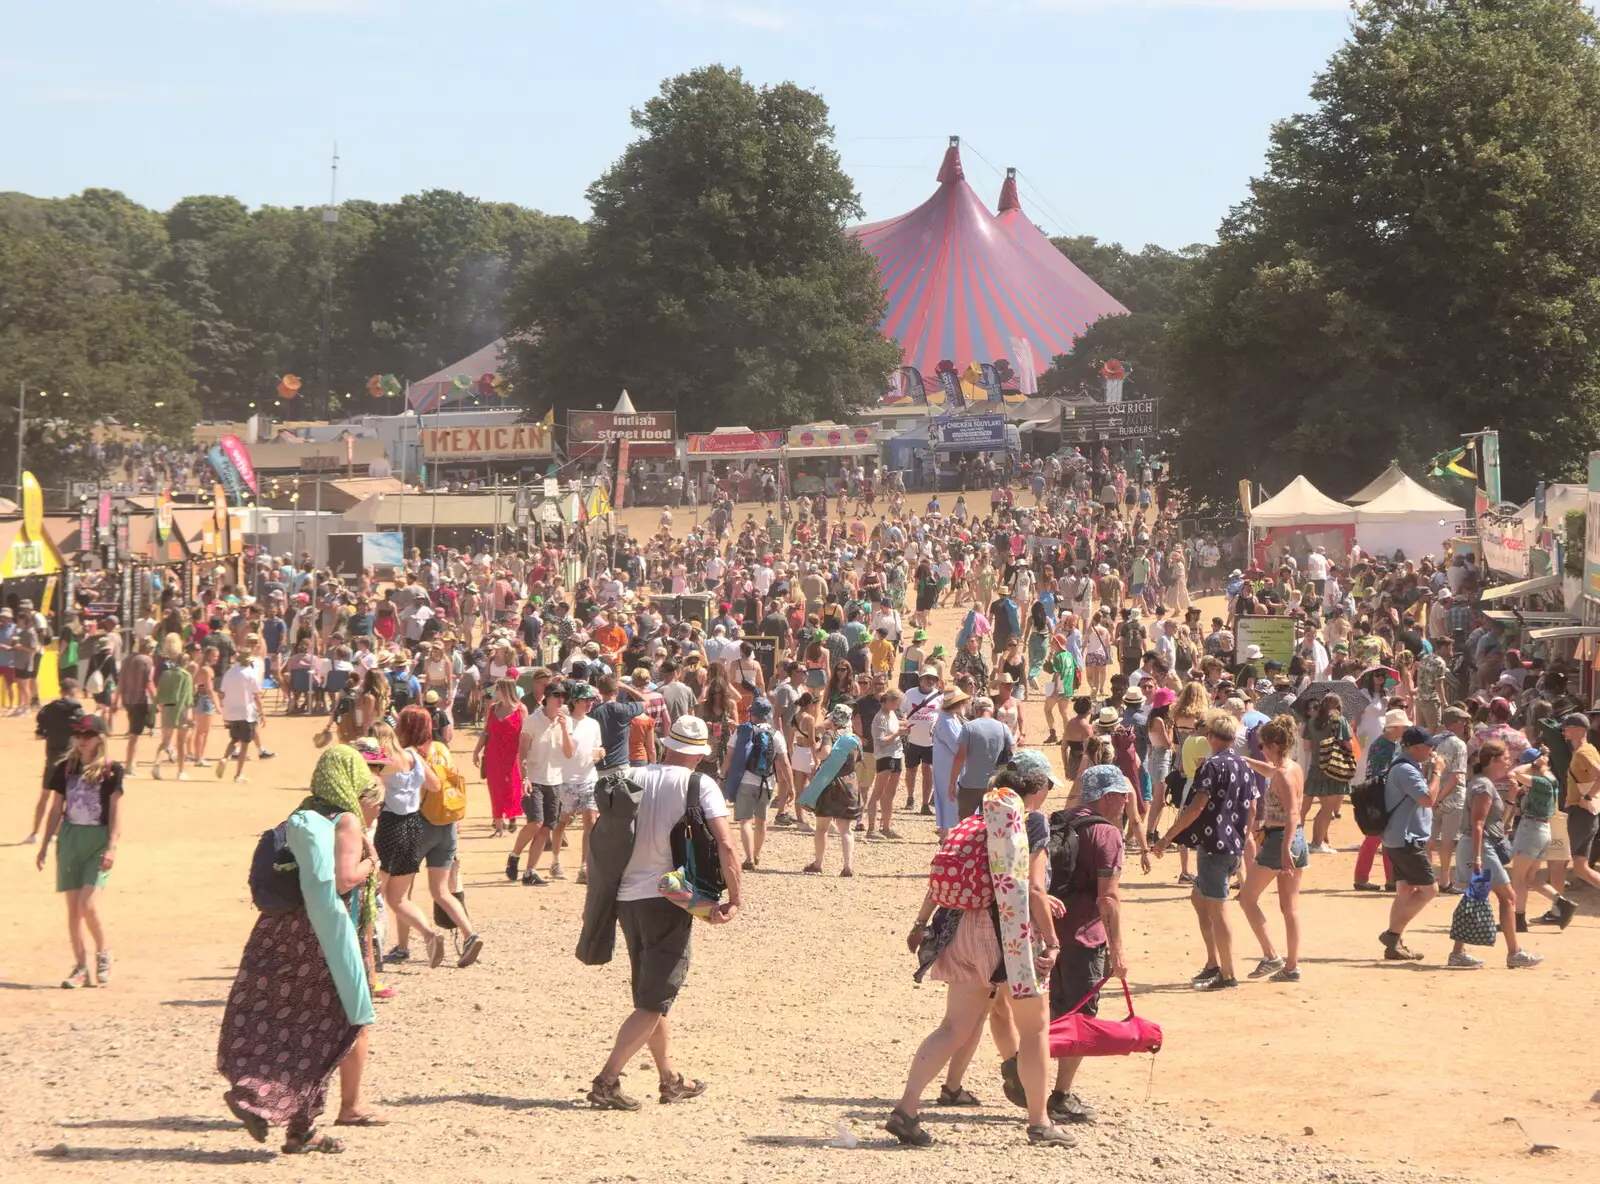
1301,504
1406,501
1382,483
624,406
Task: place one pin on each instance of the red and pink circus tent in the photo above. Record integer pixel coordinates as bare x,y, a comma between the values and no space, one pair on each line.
980,304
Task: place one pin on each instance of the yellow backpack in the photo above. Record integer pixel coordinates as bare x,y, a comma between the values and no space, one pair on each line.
449,803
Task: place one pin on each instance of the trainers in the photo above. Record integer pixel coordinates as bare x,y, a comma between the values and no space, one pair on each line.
890,833
31,841
1210,972
926,810
1286,976
78,978
1522,923
1217,984
608,1095
1464,961
872,836
1324,849
155,770
1267,966
1050,1136
557,872
582,877
267,756
397,955
681,1090
1565,910
1065,1107
102,967
533,879
511,867
1365,886
783,819
222,767
1547,918
1523,958
1400,952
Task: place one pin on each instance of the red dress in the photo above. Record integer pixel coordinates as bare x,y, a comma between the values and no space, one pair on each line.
502,762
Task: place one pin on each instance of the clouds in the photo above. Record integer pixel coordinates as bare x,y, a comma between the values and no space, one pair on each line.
295,7
772,16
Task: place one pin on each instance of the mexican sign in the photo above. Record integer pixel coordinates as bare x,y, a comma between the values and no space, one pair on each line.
505,441
650,434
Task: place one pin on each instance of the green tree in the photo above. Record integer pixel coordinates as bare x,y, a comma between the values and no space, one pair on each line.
1421,258
715,279
88,352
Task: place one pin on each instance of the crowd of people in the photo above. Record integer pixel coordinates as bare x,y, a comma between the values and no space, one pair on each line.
653,717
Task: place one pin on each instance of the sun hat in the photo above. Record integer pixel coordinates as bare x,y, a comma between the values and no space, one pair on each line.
1108,717
689,736
1396,718
1162,697
1099,780
1031,760
761,709
919,635
839,716
955,698
1252,652
1133,697
578,691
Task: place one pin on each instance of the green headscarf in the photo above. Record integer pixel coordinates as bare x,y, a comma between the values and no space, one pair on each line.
337,784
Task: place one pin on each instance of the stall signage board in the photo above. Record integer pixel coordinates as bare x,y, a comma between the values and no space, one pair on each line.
832,435
1275,636
609,427
1504,542
1130,420
499,441
969,433
724,443
766,653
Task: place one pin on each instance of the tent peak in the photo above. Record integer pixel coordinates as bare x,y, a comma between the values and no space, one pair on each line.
950,170
1008,193
625,406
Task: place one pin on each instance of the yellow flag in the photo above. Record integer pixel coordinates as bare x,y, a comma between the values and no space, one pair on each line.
32,507
549,419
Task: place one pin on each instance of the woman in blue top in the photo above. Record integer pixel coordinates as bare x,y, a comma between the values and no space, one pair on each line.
833,794
300,1008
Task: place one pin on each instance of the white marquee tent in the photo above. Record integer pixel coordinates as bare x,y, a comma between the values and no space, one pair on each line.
1407,518
1300,508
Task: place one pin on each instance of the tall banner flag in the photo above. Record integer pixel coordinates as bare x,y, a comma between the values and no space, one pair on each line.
233,448
622,473
230,486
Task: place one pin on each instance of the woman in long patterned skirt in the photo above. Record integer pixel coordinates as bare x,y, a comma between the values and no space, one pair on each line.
301,1003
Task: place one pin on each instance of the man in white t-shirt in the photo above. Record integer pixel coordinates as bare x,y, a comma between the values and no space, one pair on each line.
920,708
655,930
240,690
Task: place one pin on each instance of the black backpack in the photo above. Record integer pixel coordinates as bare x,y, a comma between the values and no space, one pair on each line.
1065,838
1367,804
274,874
694,847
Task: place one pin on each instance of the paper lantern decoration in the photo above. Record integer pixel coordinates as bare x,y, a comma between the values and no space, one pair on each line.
488,386
288,386
1114,370
972,383
461,382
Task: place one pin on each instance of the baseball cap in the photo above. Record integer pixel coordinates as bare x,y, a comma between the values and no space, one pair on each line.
90,725
1575,720
1415,735
689,736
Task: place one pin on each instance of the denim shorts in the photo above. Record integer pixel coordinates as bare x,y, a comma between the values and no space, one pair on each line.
1269,852
1461,871
1213,874
575,796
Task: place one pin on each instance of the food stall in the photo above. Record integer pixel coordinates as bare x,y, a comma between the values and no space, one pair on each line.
817,456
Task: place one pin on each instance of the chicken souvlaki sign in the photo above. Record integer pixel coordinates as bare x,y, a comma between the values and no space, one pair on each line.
506,441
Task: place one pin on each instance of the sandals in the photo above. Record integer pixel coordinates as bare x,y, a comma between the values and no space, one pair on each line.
681,1090
311,1141
812,869
362,1120
957,1097
253,1123
907,1129
608,1095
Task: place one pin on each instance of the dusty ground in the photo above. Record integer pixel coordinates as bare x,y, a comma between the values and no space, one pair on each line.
802,1015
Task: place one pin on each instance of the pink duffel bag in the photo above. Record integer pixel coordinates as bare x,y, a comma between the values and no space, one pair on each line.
1075,1035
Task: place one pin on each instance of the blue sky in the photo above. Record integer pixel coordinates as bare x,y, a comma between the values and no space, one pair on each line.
1134,120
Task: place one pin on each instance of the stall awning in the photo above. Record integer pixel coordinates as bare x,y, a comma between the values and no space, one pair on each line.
1560,631
868,449
1532,618
1523,587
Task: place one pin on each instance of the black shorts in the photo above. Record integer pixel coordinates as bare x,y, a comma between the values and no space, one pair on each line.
656,933
1582,831
399,842
241,730
1411,864
539,805
918,754
1078,970
138,719
890,764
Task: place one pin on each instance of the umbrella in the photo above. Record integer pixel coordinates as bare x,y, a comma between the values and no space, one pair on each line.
1351,698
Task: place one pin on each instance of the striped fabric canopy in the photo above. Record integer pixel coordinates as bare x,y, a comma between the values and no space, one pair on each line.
980,305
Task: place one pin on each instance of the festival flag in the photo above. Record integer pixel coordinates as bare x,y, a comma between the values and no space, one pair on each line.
1452,460
549,419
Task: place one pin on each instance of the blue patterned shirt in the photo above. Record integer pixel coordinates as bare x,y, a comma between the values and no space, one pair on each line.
1229,787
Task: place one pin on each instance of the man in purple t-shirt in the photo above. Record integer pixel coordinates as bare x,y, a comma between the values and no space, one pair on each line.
1220,812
